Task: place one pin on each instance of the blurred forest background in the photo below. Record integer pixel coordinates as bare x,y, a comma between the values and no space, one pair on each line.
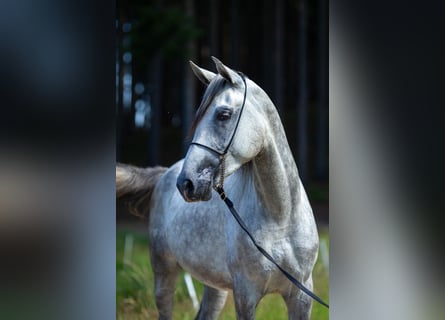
282,45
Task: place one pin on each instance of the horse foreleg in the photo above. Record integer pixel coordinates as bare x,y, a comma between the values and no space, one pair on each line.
246,298
299,304
164,294
166,272
213,301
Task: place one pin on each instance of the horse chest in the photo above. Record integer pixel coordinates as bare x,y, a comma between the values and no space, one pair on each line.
280,242
196,238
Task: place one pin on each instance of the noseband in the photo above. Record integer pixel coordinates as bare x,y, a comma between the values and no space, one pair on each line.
222,155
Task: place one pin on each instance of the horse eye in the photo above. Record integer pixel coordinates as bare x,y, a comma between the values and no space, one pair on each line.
223,115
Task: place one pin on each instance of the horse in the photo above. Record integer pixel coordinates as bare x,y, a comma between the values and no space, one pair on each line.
238,141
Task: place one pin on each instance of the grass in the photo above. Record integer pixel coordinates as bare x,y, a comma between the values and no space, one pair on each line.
135,298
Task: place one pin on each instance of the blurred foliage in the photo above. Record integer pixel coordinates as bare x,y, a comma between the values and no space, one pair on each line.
165,29
318,192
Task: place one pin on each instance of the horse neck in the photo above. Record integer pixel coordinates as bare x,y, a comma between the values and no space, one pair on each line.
276,176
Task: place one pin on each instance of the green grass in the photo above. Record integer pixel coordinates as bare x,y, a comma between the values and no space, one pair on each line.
135,298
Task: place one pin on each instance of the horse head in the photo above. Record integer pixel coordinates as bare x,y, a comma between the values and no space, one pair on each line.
228,131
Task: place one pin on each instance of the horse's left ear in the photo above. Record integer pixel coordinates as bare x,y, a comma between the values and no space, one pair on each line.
232,76
203,75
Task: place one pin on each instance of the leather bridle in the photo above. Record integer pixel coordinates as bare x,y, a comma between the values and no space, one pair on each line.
222,155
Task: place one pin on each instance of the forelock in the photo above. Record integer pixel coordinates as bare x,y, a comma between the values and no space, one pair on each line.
213,89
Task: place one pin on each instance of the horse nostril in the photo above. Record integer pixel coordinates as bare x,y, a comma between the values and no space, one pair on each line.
187,186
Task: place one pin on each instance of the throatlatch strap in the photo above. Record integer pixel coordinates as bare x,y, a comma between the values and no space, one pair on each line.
235,214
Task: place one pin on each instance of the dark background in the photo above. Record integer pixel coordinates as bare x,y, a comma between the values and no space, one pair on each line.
281,45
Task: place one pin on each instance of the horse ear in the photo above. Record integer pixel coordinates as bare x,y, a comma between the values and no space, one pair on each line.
203,75
232,76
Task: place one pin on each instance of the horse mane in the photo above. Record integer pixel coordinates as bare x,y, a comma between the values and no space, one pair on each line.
215,87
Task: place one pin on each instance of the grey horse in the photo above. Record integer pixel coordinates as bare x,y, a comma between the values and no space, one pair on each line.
193,230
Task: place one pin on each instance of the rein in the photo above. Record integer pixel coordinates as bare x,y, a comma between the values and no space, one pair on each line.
220,189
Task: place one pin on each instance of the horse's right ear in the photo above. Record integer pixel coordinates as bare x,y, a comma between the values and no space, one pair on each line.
204,75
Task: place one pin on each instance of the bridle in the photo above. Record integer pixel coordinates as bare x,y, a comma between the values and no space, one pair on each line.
222,155
220,189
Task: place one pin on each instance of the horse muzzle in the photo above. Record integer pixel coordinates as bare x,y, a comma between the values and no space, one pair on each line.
192,190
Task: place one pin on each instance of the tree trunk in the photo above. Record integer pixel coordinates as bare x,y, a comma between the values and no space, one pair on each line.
279,43
189,84
214,28
155,76
321,161
267,43
302,105
234,34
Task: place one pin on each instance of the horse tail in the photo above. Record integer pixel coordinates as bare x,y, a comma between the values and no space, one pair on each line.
135,186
